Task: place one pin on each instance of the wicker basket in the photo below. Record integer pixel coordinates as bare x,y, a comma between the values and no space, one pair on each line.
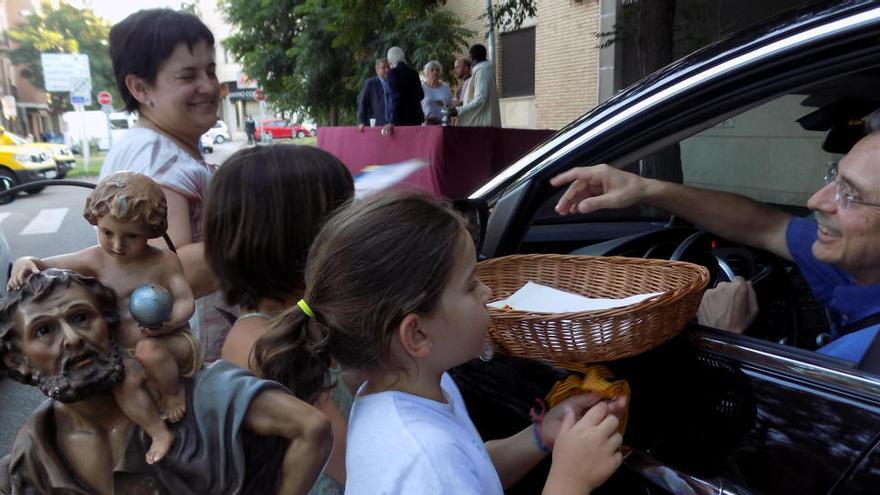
592,336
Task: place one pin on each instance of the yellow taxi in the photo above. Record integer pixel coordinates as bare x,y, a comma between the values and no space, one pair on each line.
63,156
22,164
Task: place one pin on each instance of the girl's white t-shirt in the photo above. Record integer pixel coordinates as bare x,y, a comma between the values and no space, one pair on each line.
399,443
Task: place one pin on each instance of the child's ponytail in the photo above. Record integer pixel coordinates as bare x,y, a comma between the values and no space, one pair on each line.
294,352
372,263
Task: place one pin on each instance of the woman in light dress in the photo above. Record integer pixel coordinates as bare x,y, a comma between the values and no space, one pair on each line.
437,93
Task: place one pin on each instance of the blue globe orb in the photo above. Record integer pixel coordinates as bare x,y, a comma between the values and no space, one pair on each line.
150,305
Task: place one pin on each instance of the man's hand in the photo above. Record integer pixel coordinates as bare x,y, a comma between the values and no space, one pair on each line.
387,129
730,306
597,187
360,127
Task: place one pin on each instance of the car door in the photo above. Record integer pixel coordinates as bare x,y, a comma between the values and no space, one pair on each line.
713,409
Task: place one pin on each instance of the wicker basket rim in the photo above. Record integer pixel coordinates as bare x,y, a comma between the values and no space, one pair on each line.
665,299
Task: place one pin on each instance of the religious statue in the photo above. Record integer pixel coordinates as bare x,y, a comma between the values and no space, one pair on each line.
129,209
59,331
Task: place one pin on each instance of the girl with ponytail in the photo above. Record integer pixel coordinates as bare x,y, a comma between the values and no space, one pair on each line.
391,293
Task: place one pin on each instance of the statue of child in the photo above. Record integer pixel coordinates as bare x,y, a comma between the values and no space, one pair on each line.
129,209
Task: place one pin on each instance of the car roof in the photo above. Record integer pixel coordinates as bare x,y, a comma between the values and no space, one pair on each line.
784,32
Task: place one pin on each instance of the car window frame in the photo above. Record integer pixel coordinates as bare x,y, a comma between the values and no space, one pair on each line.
515,206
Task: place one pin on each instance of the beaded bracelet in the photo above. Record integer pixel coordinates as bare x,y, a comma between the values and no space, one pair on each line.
537,419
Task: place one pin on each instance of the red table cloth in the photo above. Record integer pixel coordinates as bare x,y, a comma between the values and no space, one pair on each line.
460,159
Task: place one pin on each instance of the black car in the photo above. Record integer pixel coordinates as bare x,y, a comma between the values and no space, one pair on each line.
759,113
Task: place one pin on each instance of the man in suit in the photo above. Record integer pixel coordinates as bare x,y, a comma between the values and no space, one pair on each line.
481,109
371,101
403,103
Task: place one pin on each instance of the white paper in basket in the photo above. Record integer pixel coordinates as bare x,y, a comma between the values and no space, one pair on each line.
537,298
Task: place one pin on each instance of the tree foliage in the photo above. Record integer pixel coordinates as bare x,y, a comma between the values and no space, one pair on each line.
311,56
64,29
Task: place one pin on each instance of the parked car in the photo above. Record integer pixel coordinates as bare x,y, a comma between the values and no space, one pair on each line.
206,143
22,165
280,129
218,134
61,154
759,113
120,123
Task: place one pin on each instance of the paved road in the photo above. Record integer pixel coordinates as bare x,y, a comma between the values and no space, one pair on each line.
46,224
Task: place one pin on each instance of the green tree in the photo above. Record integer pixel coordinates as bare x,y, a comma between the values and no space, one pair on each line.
64,29
310,56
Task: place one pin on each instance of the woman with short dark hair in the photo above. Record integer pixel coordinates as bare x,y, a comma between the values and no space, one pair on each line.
163,62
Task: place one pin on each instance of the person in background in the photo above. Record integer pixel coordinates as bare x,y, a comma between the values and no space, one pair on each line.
250,128
391,293
403,102
481,110
163,62
462,71
257,245
371,100
437,93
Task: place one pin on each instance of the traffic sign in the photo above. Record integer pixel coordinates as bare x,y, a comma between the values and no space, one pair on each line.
81,91
105,98
61,70
259,95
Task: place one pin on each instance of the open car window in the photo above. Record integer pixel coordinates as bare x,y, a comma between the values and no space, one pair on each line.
776,152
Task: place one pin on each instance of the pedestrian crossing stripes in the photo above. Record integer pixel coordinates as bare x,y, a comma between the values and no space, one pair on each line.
46,222
4,215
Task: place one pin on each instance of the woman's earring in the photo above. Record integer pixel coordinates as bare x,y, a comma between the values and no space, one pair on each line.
488,351
151,103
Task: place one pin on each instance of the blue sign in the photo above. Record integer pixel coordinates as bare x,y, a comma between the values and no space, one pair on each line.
79,100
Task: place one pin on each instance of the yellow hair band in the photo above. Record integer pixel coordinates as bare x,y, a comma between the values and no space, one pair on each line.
305,308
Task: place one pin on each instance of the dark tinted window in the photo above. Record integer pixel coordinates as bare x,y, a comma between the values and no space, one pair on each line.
518,63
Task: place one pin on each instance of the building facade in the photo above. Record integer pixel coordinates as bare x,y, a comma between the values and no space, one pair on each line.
552,69
25,109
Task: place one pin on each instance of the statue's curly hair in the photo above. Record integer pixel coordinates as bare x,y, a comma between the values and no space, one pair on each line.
129,197
39,286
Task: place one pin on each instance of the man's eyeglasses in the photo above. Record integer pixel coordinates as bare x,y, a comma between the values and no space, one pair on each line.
843,196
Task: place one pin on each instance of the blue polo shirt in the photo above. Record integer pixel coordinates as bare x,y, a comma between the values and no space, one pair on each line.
835,289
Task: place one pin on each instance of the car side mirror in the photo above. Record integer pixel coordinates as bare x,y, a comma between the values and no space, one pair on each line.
476,213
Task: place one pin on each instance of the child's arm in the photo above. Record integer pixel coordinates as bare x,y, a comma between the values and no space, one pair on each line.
24,267
184,303
275,413
514,456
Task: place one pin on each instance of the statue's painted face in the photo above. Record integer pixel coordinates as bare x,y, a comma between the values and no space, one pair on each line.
66,347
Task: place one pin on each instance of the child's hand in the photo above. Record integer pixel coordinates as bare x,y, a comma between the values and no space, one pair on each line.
22,269
587,451
578,404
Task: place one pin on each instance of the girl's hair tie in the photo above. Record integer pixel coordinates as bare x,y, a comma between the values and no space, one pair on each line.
305,308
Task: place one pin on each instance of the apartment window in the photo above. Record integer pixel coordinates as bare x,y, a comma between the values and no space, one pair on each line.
518,63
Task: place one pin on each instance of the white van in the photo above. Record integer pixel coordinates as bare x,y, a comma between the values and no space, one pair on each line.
92,125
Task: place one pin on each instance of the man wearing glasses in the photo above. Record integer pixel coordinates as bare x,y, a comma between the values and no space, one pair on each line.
838,252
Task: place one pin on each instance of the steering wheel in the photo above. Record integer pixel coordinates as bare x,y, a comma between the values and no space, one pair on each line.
778,318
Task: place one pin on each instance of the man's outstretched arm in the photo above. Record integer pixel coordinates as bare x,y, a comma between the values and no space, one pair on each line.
732,216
